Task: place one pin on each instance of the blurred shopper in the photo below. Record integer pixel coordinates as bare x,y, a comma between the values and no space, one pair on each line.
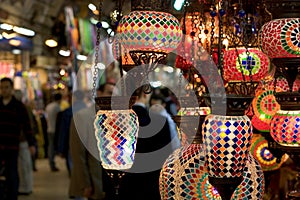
87,173
25,164
152,148
14,121
63,128
171,106
158,104
52,109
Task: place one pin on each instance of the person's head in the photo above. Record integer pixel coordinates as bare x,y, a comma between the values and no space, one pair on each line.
6,87
57,97
142,97
157,99
105,89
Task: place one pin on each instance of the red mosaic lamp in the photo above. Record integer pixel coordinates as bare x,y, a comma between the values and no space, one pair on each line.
260,151
237,62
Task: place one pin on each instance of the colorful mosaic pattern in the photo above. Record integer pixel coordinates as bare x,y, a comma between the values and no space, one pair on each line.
285,128
184,176
227,142
257,65
116,134
259,150
265,105
252,186
150,30
280,38
259,124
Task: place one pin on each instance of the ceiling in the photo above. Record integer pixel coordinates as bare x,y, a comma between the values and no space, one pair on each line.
46,17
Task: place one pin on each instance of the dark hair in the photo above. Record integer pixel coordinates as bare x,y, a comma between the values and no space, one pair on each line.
57,96
102,86
158,97
6,79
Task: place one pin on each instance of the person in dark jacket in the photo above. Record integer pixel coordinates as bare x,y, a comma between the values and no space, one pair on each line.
14,121
152,149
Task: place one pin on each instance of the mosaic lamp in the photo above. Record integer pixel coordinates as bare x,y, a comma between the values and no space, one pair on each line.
116,133
260,151
149,35
239,66
285,127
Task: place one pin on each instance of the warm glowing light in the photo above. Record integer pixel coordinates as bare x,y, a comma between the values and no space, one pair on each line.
65,53
23,31
14,42
62,72
51,43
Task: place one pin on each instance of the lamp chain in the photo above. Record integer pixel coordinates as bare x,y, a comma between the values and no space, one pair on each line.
212,34
96,69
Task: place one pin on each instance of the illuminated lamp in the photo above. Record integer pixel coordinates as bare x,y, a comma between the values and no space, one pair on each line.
260,151
239,65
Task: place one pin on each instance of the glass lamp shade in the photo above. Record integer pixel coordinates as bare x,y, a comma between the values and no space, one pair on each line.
116,134
227,143
265,107
259,150
254,66
259,124
149,31
279,38
285,128
184,176
253,184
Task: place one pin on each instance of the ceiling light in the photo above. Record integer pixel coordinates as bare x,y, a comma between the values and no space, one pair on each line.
81,57
9,36
104,24
23,31
65,53
51,43
16,51
14,42
178,4
7,27
92,7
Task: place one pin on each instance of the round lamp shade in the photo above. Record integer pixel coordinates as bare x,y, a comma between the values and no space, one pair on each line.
253,184
237,63
280,38
227,143
150,31
116,134
184,176
265,107
259,150
285,128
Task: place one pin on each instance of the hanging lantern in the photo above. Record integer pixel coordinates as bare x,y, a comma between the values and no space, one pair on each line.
252,186
150,31
184,176
285,128
237,63
227,142
116,133
265,107
279,38
260,151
